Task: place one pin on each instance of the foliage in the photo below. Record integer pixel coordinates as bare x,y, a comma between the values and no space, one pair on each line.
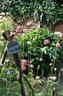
12,88
9,88
41,47
48,12
5,23
8,72
19,10
33,43
2,44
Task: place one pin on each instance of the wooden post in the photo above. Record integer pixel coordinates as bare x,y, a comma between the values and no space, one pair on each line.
3,56
17,61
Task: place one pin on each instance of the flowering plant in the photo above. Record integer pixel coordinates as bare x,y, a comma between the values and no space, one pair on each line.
41,46
39,42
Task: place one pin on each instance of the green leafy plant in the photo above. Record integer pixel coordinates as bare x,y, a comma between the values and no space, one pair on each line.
5,23
41,47
48,12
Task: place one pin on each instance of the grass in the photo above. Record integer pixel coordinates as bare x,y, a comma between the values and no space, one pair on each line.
12,89
9,89
42,87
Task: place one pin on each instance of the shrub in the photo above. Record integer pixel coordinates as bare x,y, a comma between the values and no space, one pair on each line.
41,47
19,10
48,12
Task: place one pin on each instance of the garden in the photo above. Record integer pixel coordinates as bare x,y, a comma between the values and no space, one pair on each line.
31,52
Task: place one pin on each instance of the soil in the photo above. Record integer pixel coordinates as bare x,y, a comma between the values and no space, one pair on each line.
28,25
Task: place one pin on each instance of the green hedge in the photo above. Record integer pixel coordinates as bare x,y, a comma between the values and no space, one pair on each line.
48,12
